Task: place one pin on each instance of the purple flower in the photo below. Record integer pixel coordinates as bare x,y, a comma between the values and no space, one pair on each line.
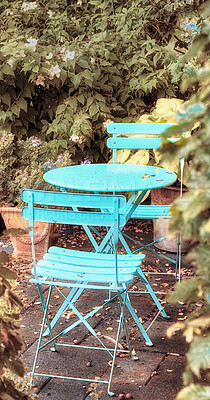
86,161
48,162
36,142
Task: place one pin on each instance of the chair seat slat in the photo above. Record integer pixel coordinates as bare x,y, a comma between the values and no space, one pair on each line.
92,269
95,256
86,276
151,212
76,260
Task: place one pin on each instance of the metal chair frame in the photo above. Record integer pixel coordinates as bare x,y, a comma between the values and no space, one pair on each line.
78,270
135,139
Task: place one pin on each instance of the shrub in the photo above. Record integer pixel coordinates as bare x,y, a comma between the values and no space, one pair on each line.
190,216
10,337
68,66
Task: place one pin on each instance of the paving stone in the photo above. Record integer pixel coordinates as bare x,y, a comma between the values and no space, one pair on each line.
63,390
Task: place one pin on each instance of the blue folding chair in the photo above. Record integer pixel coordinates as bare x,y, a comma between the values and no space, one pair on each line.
78,270
145,136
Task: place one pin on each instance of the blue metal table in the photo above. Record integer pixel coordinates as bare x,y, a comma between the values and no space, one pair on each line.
110,177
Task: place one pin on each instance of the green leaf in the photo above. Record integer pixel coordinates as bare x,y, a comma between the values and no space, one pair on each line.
93,110
60,109
6,99
99,97
7,273
133,83
7,70
4,258
90,100
194,392
35,69
83,63
186,291
199,354
16,110
81,99
76,79
87,75
22,103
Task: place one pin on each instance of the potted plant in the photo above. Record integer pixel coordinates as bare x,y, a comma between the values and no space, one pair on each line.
22,165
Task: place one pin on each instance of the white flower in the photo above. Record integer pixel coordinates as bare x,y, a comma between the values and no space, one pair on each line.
74,137
11,61
54,71
69,55
50,13
79,2
106,123
50,55
39,80
9,12
29,6
31,44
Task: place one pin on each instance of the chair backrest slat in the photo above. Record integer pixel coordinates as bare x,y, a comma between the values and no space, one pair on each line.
131,128
82,208
84,218
133,143
138,139
42,197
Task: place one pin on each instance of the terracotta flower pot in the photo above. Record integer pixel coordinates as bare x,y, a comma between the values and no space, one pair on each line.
44,235
166,196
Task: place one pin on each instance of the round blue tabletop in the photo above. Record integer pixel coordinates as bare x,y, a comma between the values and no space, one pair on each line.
110,177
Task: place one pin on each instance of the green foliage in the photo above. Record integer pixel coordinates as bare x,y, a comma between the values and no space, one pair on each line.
191,213
194,392
10,338
22,163
67,67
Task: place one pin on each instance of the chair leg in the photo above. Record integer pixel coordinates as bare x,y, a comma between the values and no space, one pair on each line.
72,297
122,301
151,292
45,317
138,323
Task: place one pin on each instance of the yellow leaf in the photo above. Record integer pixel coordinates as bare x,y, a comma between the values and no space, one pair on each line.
141,157
122,155
109,329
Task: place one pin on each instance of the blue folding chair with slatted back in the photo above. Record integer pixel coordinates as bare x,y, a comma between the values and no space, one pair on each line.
77,271
145,136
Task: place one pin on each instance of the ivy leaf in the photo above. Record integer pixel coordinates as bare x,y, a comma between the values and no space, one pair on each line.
7,70
186,291
7,273
199,354
22,103
16,110
194,392
6,99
